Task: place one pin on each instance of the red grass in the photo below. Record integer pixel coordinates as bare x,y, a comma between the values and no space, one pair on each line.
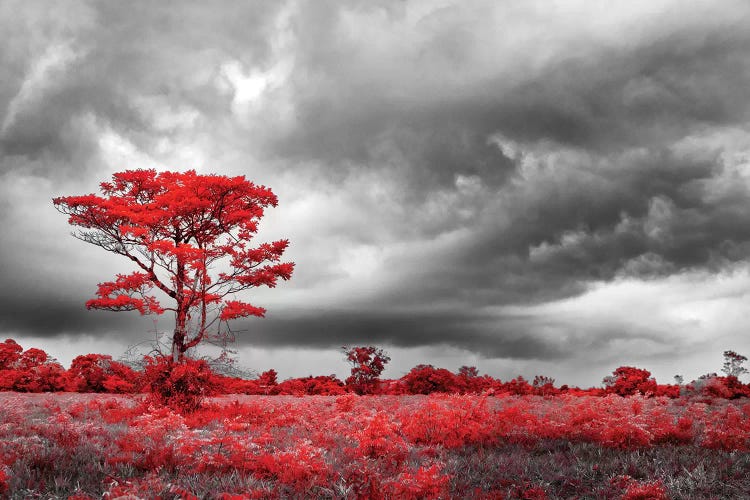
437,446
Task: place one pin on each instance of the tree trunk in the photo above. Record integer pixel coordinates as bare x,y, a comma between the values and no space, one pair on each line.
180,327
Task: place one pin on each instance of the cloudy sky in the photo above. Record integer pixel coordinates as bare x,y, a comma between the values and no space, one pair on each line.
530,187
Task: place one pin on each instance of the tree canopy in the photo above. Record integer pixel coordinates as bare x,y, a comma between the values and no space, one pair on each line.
176,227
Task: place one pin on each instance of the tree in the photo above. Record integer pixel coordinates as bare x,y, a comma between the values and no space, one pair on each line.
10,353
367,365
629,380
733,364
99,373
175,227
426,379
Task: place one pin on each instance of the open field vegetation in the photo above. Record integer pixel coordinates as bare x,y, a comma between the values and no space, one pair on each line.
183,431
436,446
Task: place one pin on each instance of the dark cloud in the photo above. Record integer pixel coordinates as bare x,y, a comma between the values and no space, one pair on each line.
431,159
97,66
491,336
34,311
642,93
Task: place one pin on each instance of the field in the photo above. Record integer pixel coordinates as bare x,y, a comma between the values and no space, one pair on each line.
68,445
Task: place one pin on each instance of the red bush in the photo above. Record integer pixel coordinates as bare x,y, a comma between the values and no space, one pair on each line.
323,385
426,379
628,380
182,385
99,373
10,353
653,490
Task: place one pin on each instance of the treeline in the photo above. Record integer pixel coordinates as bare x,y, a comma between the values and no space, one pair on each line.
32,370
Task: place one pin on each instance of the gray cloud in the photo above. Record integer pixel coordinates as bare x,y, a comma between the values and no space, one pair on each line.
432,161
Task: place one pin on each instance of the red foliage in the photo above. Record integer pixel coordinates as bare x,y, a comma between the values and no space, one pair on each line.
99,373
645,491
628,380
325,385
175,226
426,379
544,386
425,482
182,386
518,386
4,478
29,371
374,447
10,353
668,390
713,386
367,365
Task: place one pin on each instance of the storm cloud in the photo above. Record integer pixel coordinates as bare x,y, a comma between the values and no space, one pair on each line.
468,176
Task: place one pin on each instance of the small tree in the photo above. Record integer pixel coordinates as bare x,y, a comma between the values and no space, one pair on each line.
426,379
367,365
10,353
629,380
175,227
733,364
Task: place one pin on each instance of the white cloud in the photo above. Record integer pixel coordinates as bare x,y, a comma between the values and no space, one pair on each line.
677,324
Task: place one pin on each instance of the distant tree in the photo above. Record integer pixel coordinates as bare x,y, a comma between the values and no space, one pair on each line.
31,370
10,353
544,386
269,378
176,226
367,365
628,380
468,379
268,381
518,385
99,373
542,380
468,372
426,379
32,357
325,385
733,364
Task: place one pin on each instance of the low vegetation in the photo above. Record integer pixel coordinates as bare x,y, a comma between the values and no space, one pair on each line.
180,430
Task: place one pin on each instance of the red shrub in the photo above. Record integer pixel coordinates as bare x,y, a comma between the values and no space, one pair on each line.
426,379
628,380
47,377
544,386
29,371
518,386
425,482
182,385
99,373
322,385
4,478
646,491
668,390
712,386
10,353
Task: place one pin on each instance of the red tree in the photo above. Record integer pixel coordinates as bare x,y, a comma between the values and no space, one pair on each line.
175,226
99,373
426,379
10,353
629,380
367,365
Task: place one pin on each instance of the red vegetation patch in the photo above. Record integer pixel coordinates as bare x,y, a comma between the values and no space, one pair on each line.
356,447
